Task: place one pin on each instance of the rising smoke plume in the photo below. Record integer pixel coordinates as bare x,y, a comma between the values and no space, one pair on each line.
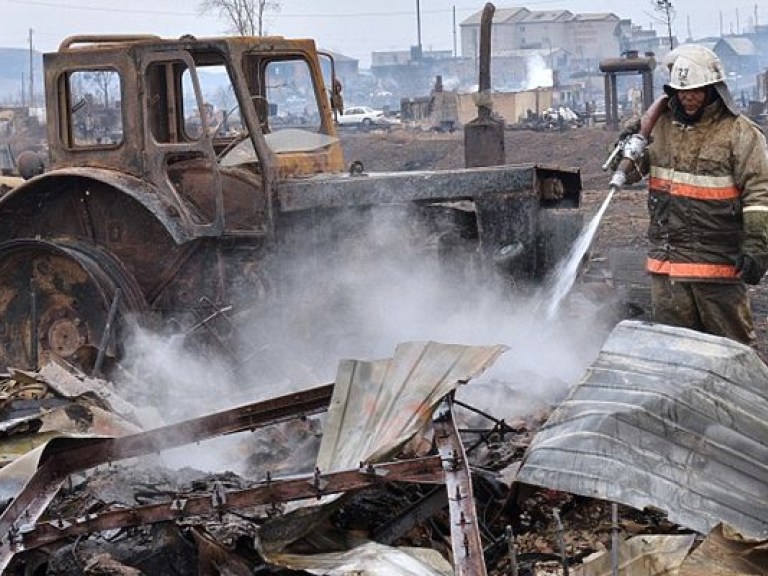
358,296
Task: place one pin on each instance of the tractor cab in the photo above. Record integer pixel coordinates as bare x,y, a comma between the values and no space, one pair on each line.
136,104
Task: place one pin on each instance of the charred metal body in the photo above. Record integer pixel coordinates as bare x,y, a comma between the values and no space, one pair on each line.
64,457
184,211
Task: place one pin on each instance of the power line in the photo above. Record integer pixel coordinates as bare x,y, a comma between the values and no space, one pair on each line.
83,7
97,8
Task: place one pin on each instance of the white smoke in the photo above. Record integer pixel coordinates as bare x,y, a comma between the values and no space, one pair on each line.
538,74
358,298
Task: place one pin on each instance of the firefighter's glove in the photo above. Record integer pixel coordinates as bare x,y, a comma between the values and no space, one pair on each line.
753,262
628,170
629,129
631,126
751,269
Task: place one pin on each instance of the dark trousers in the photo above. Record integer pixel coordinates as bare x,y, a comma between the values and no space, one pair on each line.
717,308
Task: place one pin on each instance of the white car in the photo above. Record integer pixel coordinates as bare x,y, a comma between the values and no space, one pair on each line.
362,116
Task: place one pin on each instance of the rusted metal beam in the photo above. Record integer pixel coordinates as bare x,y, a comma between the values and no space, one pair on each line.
414,515
420,470
239,419
397,188
17,523
63,457
466,544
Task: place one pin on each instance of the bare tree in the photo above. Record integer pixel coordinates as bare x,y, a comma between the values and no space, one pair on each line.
103,80
243,17
667,13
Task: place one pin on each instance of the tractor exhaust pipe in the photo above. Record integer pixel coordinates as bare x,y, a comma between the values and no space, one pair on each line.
484,136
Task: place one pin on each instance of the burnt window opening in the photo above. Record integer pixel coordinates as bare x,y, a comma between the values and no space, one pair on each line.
94,118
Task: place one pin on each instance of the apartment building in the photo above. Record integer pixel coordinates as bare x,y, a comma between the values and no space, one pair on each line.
586,37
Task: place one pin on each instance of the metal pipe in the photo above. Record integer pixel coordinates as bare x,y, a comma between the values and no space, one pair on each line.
614,102
561,540
484,81
614,539
512,551
105,335
34,332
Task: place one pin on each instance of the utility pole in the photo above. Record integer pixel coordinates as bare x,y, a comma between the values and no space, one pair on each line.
418,27
31,72
668,11
455,51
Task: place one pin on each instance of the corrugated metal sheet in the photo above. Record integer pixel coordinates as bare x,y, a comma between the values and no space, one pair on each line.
727,553
372,559
378,406
668,418
646,555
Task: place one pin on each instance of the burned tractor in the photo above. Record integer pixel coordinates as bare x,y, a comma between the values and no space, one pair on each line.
156,205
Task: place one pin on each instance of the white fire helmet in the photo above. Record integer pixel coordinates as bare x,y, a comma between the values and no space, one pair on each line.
693,66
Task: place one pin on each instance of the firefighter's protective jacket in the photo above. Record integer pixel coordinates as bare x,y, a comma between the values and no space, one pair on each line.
703,178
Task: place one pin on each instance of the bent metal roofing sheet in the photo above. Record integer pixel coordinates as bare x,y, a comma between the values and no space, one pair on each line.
668,418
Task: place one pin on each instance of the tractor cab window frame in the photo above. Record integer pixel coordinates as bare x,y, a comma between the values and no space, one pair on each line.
288,94
172,99
91,110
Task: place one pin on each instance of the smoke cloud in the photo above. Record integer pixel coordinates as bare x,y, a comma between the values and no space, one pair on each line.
363,283
538,74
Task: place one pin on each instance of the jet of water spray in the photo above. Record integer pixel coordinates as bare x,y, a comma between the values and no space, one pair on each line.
562,280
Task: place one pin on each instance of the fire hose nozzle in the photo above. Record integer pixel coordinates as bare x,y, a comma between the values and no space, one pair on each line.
632,150
616,151
634,147
618,180
631,147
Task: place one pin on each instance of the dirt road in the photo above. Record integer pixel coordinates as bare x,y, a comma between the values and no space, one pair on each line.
621,235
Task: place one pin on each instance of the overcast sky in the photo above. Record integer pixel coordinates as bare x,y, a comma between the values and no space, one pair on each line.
353,28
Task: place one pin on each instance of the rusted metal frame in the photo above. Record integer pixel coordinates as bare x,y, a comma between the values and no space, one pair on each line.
420,470
86,218
493,419
69,41
25,510
467,546
107,333
33,322
268,160
499,425
61,461
230,421
185,252
419,511
216,312
484,436
393,188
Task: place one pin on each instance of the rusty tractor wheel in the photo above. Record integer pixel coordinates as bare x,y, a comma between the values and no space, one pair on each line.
55,299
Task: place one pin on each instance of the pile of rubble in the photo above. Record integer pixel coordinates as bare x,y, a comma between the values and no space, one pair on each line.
653,464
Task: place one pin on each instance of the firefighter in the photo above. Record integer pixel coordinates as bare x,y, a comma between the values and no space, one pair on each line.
708,202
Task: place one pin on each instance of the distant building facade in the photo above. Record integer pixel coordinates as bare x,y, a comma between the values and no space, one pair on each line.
585,36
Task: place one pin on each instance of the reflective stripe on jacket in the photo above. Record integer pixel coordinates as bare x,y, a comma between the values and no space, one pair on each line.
702,177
